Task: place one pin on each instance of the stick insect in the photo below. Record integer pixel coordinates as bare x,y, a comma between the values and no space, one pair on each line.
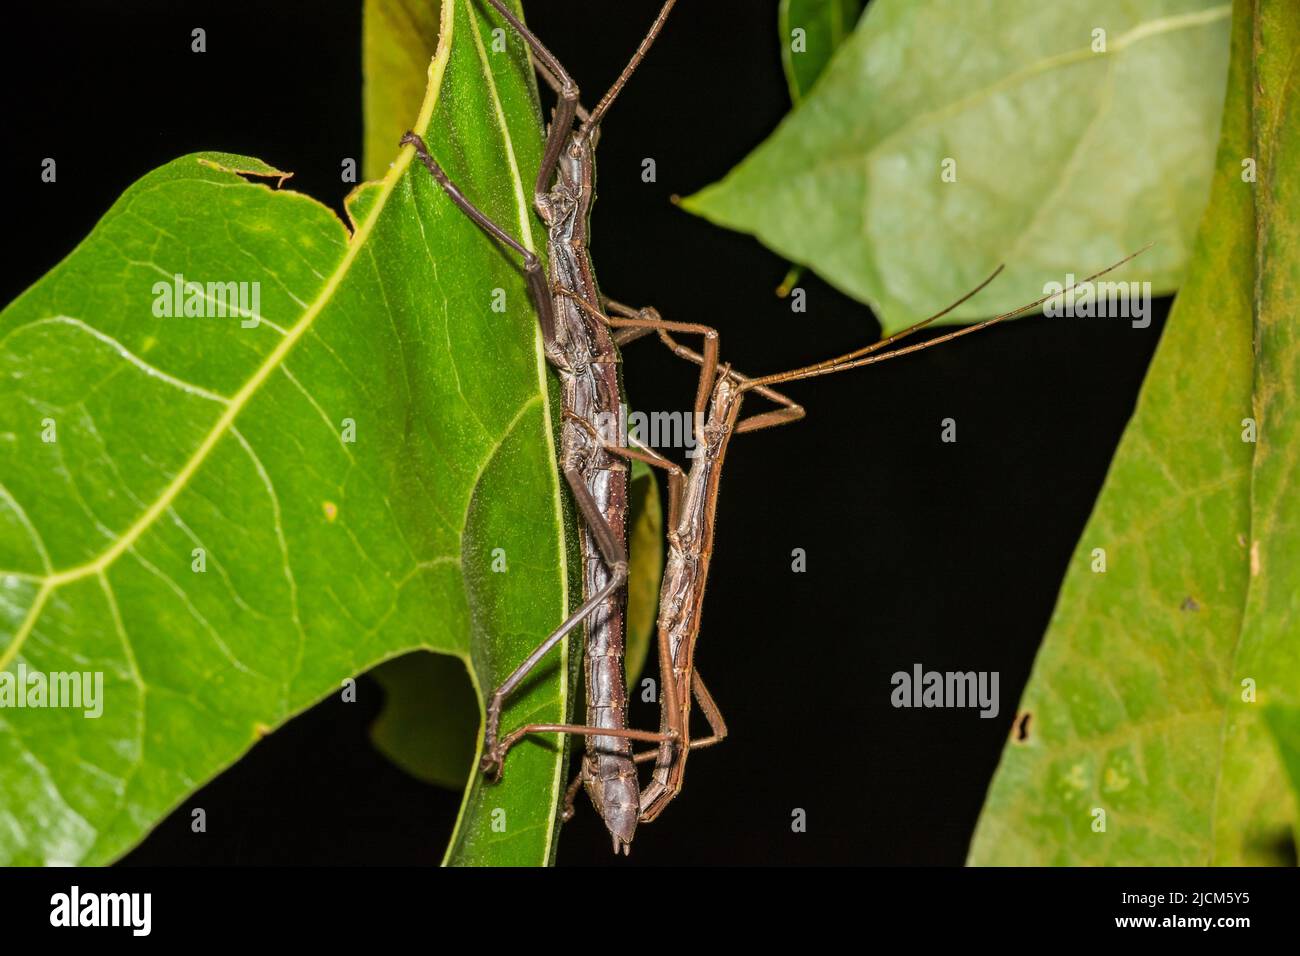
692,509
586,357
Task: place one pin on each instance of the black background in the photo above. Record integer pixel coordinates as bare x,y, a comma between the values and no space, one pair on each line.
949,555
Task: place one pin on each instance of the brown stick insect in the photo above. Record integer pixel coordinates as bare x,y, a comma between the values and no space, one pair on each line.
584,354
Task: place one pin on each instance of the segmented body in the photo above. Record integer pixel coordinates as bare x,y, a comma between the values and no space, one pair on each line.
686,574
587,360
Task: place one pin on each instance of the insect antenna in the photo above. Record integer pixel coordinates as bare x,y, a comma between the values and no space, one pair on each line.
599,112
863,355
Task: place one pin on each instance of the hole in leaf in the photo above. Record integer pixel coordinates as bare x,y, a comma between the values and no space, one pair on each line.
1020,730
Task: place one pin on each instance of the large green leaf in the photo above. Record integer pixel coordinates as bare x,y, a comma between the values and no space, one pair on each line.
1062,155
1147,698
825,24
323,555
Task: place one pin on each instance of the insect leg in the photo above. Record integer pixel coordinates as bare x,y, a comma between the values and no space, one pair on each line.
615,555
538,288
565,108
709,707
642,453
717,728
492,751
598,113
638,322
571,795
667,780
790,410
492,763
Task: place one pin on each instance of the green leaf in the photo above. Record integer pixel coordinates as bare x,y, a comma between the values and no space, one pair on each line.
1251,809
645,542
825,25
321,556
1062,155
1147,697
1284,724
399,38
430,721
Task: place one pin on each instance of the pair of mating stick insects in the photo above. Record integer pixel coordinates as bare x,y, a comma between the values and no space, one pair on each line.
581,341
692,510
